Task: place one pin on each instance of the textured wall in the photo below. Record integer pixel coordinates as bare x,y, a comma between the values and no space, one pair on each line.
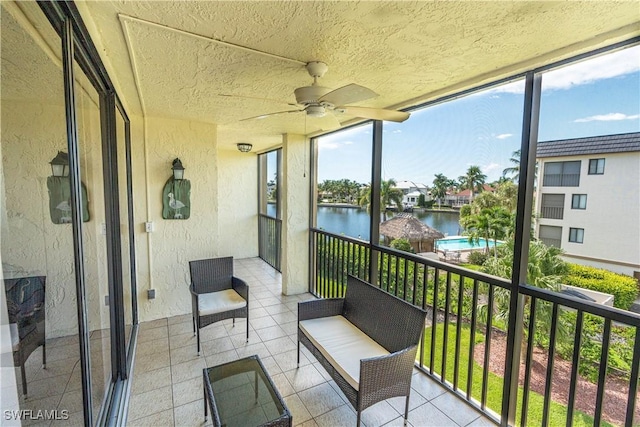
31,244
223,209
295,224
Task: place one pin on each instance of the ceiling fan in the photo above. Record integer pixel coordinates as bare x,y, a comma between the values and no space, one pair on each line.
321,102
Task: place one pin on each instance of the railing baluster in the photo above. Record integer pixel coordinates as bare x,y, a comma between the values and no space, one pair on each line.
327,248
425,286
529,357
633,381
577,341
445,336
405,277
604,360
550,362
487,349
456,365
416,272
472,340
434,321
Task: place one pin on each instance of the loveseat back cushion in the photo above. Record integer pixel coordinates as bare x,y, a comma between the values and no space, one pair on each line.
342,344
219,302
211,275
390,321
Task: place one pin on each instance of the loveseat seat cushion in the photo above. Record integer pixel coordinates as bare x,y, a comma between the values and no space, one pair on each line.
219,302
342,344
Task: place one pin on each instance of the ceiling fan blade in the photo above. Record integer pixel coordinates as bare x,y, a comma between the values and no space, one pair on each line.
375,113
348,94
327,122
228,95
264,116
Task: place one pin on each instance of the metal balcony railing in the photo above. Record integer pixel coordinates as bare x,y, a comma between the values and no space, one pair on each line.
466,329
552,212
269,240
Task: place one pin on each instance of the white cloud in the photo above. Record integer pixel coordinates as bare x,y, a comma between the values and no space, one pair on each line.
608,118
504,135
348,142
491,167
397,131
327,145
585,72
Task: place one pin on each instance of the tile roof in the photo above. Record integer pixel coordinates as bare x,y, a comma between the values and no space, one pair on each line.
621,143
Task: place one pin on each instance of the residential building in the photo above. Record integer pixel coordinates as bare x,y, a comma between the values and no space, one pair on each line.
411,192
463,197
588,200
125,88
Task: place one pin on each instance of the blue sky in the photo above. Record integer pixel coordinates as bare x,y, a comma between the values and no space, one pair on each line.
599,96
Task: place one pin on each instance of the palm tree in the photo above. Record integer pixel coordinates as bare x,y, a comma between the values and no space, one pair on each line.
473,180
388,195
440,186
515,169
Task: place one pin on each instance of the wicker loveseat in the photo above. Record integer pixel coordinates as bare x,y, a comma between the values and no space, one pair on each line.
367,341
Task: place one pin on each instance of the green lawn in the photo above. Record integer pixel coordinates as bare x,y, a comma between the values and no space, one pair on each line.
558,412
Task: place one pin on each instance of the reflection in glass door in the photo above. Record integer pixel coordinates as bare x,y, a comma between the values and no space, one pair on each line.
40,314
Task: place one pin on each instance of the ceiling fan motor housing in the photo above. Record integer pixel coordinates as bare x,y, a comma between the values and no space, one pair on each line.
310,94
315,111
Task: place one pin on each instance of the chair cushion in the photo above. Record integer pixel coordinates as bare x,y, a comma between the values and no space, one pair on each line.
219,302
15,337
342,344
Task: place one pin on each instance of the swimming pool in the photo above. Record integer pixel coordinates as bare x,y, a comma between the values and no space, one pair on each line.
461,243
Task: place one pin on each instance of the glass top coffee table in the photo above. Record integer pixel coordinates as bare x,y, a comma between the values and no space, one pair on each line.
241,393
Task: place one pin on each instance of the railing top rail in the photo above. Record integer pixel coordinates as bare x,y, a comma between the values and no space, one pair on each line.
615,314
261,215
471,274
348,239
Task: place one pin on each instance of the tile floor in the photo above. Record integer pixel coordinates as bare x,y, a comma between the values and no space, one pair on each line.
167,380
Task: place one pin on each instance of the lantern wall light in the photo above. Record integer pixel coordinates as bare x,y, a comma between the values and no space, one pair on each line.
60,164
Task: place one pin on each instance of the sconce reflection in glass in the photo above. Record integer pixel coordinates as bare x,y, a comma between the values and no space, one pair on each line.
176,194
60,164
244,147
60,191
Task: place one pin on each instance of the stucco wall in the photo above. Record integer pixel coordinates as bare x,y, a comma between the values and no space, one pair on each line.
223,208
31,244
611,219
295,226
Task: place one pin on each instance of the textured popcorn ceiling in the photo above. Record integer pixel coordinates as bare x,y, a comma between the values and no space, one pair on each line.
164,64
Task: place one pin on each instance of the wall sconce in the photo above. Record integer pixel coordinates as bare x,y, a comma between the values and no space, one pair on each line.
178,169
60,164
60,192
176,195
244,147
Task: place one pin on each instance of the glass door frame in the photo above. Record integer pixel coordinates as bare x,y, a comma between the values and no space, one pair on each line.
77,48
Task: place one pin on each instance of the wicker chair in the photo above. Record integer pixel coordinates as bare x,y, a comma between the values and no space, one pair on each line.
216,294
25,301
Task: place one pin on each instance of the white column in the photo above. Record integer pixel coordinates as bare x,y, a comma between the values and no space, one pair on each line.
295,215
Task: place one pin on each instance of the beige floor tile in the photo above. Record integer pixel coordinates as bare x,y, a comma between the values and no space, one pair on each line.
151,402
151,380
342,416
187,370
304,377
187,391
280,345
297,409
320,399
153,334
159,419
191,414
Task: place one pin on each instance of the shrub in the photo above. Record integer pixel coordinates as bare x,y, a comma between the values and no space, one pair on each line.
401,245
477,257
623,288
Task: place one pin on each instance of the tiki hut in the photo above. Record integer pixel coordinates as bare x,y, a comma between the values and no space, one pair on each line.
406,226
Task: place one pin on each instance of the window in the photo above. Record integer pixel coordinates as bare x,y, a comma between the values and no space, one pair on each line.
552,206
551,235
579,201
576,235
561,174
596,166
